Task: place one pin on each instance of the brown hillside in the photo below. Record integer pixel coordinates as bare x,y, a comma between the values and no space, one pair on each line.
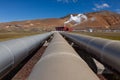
32,25
101,20
96,20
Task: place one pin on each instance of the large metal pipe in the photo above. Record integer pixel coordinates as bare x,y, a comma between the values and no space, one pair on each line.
12,52
61,62
105,50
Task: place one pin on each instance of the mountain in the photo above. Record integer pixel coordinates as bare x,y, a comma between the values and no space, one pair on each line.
32,25
101,20
96,20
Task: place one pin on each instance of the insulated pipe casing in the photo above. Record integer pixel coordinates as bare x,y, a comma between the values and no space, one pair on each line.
12,52
105,50
61,62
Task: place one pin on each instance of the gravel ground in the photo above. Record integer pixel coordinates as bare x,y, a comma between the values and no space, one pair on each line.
101,77
25,71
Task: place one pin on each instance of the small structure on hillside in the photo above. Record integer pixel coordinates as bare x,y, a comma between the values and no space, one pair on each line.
63,28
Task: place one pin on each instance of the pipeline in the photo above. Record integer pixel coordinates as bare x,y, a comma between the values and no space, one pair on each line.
12,52
105,50
61,62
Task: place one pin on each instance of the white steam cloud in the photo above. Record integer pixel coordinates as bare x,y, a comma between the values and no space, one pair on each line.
77,19
93,19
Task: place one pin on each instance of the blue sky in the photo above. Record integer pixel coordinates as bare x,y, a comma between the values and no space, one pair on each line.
16,10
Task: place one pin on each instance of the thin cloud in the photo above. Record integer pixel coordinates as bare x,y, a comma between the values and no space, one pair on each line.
59,0
75,1
118,11
105,5
94,9
67,1
101,6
